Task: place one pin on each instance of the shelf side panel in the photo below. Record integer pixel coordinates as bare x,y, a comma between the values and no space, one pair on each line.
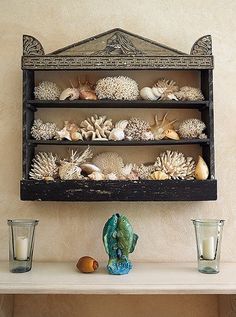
28,118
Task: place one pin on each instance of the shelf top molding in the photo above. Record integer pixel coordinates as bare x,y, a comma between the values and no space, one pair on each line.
145,278
116,49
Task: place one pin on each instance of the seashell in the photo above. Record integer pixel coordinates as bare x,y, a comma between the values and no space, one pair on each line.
63,134
159,175
88,95
97,176
201,170
122,124
160,127
117,134
89,168
87,264
69,93
156,92
147,135
146,93
111,177
171,134
76,136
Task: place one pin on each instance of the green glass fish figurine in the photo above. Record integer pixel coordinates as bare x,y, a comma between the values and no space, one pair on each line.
119,240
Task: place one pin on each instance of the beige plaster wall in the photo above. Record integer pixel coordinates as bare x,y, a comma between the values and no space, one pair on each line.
70,230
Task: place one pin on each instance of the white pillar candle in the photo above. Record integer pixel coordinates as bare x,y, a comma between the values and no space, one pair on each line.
21,248
208,248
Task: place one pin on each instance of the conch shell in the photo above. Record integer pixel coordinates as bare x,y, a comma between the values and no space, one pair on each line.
159,175
171,134
201,170
69,132
164,128
69,93
86,91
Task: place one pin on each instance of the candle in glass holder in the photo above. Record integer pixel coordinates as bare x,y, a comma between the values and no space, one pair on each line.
21,248
208,248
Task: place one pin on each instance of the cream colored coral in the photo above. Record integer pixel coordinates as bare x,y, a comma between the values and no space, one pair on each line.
70,169
189,94
138,129
192,128
109,162
117,88
96,128
44,167
43,131
175,165
47,90
144,171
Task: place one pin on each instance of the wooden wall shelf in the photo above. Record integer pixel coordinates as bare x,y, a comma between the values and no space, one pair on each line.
92,55
117,190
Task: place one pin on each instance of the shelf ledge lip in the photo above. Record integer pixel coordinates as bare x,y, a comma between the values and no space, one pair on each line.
145,278
120,143
119,190
142,104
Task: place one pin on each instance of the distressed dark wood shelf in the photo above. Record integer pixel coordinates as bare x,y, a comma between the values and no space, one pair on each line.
120,143
142,190
118,50
172,104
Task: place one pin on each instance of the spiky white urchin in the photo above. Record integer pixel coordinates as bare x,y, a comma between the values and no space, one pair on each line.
117,88
47,90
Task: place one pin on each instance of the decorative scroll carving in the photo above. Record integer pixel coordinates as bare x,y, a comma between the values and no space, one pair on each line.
202,46
31,46
119,44
117,62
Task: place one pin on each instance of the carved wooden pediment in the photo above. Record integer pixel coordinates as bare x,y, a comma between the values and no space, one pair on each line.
116,49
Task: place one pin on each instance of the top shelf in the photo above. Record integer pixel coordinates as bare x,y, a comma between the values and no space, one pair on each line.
172,104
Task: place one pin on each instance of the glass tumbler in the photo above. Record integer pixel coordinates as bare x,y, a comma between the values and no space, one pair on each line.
208,238
21,244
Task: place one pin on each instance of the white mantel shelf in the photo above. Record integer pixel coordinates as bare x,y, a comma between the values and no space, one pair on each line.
145,278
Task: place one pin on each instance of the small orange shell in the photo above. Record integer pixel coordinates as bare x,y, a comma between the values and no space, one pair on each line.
88,95
86,264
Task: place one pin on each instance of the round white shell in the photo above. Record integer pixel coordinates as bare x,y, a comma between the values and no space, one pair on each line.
117,135
147,94
89,168
69,93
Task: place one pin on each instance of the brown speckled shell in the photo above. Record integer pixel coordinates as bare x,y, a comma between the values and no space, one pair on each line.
87,264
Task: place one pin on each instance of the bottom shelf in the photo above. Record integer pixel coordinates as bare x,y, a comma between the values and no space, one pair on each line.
142,190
